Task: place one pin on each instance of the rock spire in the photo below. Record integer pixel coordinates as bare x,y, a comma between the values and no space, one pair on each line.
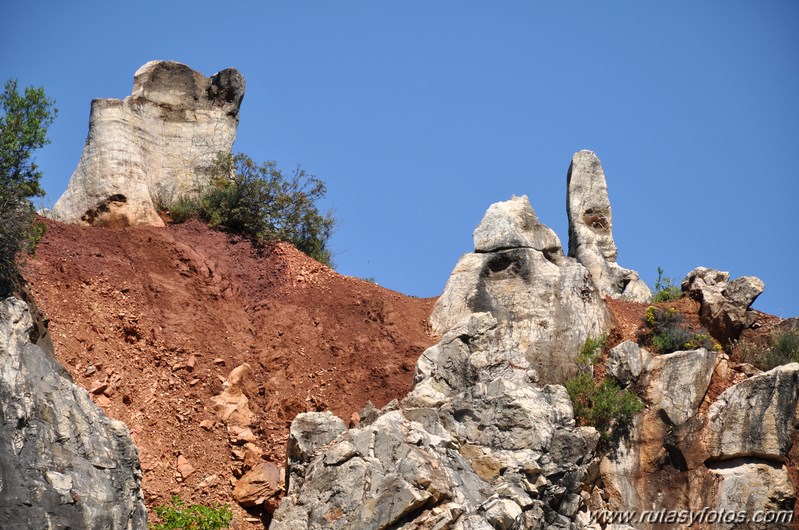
591,230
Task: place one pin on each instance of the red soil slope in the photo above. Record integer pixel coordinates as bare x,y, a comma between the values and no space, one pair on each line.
133,309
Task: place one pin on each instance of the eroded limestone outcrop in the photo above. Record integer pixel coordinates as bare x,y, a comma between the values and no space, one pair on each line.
723,304
153,146
545,303
686,452
63,463
591,230
477,444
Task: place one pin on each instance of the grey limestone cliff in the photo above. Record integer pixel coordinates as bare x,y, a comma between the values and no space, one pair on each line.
63,463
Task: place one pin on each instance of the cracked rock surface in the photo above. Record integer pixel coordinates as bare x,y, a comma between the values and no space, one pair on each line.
63,463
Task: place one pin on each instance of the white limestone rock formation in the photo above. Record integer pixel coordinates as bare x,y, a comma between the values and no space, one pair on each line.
545,303
477,444
591,230
688,452
153,146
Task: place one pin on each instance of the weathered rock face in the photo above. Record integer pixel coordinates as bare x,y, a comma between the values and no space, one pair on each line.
688,453
591,230
63,463
545,303
153,146
756,417
724,304
477,444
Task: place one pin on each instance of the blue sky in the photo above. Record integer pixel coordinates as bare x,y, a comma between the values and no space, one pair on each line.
418,115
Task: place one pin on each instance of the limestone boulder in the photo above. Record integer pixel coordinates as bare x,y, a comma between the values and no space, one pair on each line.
591,230
63,462
676,383
756,417
627,361
514,224
545,304
748,487
152,147
724,304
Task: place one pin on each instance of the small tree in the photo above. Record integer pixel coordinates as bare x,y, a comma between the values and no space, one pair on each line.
23,129
259,201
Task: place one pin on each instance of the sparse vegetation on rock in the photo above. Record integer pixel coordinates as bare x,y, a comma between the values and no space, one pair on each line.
665,332
604,405
665,291
782,348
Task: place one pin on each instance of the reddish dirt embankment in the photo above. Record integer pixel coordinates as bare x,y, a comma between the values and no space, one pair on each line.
153,320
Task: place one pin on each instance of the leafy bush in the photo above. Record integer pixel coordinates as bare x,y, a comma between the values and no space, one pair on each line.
183,209
591,350
664,290
666,333
23,129
260,202
604,406
177,515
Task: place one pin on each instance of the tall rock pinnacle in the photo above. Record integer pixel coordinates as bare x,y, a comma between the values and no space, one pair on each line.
591,230
153,146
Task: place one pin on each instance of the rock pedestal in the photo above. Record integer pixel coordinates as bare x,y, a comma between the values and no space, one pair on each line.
545,304
152,147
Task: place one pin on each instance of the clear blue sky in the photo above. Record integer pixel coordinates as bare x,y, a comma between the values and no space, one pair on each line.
420,114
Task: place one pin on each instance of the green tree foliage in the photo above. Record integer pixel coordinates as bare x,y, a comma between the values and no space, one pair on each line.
261,202
178,516
23,129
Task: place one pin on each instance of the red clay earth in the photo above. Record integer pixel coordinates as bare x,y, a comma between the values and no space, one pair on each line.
151,321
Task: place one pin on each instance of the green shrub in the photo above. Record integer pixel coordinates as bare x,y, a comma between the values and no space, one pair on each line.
665,332
591,350
664,290
260,203
183,209
263,204
177,515
604,406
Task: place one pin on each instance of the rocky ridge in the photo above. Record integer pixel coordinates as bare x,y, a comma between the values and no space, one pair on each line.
152,147
479,442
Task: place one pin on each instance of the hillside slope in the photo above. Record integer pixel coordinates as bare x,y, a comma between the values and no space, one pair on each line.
152,320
